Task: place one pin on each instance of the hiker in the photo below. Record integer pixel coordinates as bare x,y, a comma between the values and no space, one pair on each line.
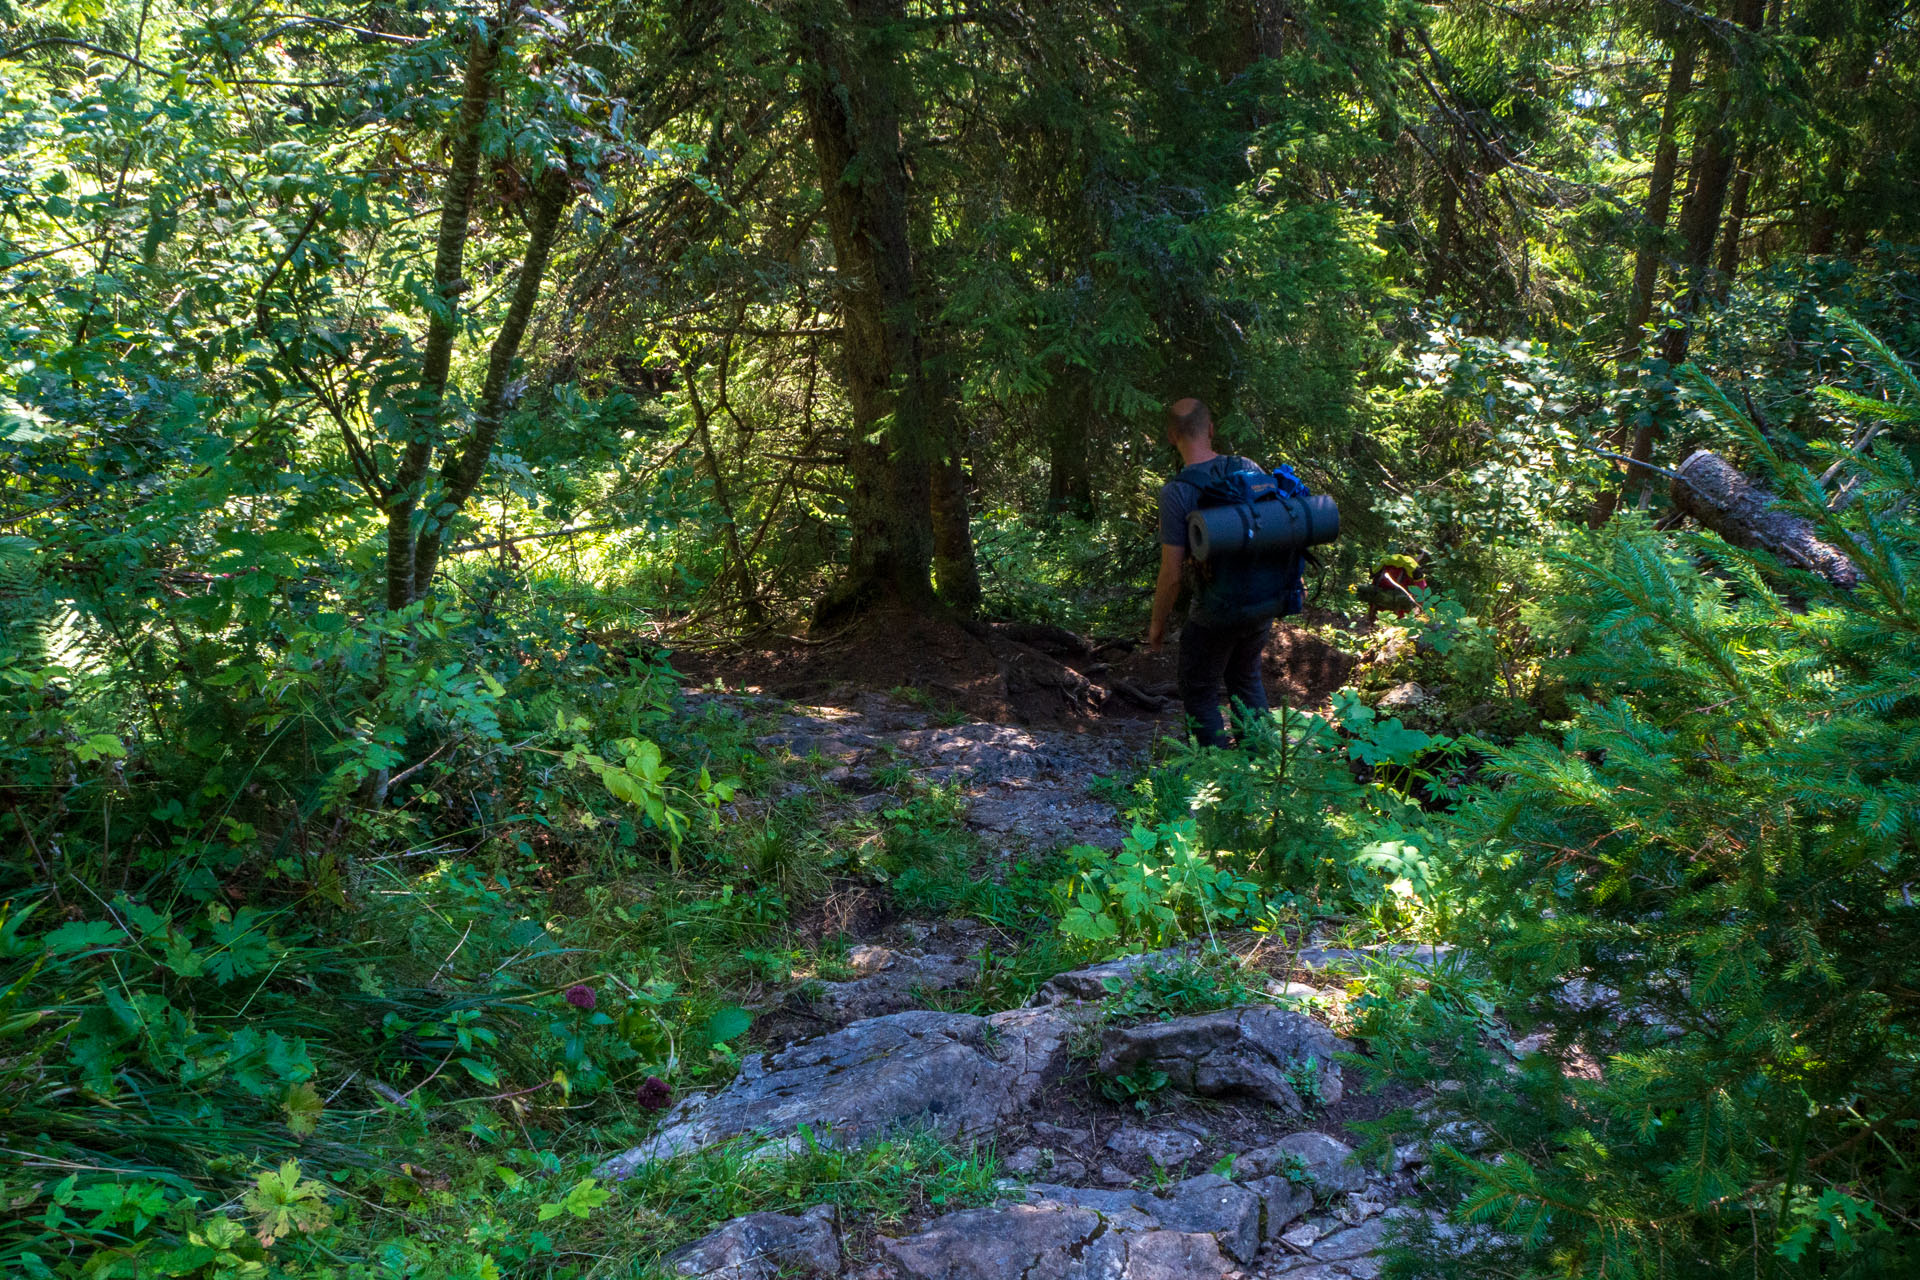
1392,585
1209,653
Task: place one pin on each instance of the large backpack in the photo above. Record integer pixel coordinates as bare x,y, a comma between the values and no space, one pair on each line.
1251,587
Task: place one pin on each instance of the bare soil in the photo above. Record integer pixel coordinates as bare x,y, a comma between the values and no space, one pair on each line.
999,673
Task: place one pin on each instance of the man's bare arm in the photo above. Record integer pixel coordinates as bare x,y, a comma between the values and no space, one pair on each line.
1165,590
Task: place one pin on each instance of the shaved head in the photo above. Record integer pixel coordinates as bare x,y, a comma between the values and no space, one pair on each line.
1189,419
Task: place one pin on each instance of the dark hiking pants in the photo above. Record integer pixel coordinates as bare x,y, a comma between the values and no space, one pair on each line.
1210,655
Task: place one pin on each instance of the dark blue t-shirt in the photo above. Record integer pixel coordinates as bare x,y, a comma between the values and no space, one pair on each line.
1178,499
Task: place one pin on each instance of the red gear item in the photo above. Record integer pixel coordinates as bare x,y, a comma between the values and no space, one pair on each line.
1393,581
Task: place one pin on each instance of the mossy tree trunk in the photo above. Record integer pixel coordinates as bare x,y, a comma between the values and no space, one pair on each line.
854,87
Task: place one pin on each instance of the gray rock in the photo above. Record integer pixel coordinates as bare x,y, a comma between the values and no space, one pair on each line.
1420,955
889,982
1067,1167
1165,1147
1356,1209
1091,983
1031,1044
1259,1051
1206,1205
1114,1176
1112,1203
1328,1161
1061,1136
1050,1241
1027,1161
1282,1202
1403,697
763,1246
1042,817
1461,1136
1210,1204
947,1072
1353,1242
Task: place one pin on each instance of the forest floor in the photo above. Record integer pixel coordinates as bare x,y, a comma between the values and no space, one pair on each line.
1001,673
1241,1168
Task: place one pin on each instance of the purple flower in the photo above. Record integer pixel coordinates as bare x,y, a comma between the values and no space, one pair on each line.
581,996
654,1094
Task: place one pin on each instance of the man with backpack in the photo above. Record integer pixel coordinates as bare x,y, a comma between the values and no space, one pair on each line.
1237,598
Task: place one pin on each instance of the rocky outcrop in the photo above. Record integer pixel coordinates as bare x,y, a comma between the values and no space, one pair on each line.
888,981
1163,1147
1324,1161
1052,1241
1098,981
950,1073
1266,1053
1206,1205
1191,1229
766,1246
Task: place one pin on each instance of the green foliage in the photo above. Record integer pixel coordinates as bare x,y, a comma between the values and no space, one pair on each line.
1187,985
1717,849
343,923
1317,807
1137,1087
1159,888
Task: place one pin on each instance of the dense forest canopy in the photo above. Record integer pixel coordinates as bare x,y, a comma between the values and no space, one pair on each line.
391,395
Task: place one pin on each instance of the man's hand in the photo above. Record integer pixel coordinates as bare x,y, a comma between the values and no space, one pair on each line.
1165,590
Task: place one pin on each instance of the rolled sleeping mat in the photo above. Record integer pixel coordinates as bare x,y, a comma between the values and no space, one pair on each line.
1286,524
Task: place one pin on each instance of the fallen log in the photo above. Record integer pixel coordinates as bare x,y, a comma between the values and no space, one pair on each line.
1712,491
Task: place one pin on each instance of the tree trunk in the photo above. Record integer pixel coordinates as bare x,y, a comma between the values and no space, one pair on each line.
1446,232
1069,405
428,401
1653,234
1712,491
955,571
1699,224
1653,230
1727,263
852,98
461,473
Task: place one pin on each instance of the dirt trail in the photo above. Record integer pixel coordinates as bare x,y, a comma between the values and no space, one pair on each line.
1001,673
1000,716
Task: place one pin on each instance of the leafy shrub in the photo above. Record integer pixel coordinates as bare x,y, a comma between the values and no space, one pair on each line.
1316,807
1158,889
1189,984
1720,851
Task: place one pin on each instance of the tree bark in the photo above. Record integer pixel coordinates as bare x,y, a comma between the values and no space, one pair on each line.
955,571
852,99
462,471
1712,491
1653,230
1446,231
1653,234
423,413
1069,405
1727,264
1699,225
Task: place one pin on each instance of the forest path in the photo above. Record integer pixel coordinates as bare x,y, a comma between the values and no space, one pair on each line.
1025,788
1239,1170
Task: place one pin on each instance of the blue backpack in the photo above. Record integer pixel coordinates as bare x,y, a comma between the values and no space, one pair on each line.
1255,585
